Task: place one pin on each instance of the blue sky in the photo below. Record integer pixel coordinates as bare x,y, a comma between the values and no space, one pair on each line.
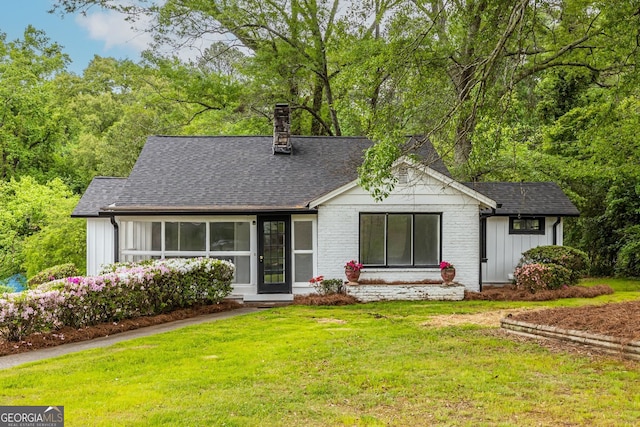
101,32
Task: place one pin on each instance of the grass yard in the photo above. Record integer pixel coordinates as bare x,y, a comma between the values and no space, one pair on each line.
367,365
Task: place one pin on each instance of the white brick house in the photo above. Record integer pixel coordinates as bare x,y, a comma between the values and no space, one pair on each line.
287,208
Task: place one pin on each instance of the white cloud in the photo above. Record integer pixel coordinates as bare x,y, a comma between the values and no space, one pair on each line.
112,28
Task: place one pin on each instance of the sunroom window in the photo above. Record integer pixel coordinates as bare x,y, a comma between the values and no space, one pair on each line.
228,240
400,239
231,240
185,236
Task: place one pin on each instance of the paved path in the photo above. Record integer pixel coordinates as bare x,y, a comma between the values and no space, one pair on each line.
60,350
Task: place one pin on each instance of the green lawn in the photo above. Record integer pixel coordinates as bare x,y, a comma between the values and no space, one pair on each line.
370,364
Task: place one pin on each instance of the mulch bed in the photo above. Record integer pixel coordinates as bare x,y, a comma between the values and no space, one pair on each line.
509,293
620,320
68,334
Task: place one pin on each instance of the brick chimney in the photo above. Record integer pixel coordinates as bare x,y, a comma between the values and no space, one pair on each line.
282,130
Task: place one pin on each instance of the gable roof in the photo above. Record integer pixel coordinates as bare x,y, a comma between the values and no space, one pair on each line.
101,192
445,179
527,198
184,174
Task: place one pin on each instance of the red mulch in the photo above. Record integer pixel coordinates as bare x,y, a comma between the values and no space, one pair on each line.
68,334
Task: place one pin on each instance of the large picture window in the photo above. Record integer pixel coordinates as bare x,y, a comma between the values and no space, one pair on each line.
400,239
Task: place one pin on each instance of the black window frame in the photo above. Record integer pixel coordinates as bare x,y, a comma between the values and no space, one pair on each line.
539,231
413,237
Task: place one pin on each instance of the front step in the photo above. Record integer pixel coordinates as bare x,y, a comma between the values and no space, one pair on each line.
263,298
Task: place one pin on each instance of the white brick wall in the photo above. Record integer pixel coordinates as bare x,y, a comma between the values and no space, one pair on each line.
368,293
338,224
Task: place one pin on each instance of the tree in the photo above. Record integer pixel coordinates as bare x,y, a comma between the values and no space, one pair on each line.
33,123
295,48
477,55
28,209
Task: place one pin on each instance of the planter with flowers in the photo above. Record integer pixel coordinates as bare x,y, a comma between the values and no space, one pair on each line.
352,271
448,272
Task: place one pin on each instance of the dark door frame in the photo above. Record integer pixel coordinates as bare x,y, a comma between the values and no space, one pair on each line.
284,287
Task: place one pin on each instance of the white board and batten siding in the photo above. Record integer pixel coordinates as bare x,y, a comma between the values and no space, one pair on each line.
99,244
504,250
338,230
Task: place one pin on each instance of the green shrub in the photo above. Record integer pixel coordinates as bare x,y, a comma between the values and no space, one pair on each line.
560,276
330,286
5,289
56,272
571,259
628,259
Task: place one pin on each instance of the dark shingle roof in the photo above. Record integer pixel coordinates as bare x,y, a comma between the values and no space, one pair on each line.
527,198
101,192
238,173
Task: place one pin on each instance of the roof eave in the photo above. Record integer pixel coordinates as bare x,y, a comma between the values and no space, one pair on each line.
564,214
200,210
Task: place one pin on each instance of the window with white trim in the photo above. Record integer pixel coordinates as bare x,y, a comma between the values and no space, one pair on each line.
400,239
303,248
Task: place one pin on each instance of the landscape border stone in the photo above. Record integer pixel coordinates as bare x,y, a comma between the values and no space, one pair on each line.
608,344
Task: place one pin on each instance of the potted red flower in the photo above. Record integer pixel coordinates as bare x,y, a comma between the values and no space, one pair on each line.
447,271
352,270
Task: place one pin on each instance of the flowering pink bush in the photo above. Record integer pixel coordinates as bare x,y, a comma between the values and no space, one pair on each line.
574,260
123,291
535,277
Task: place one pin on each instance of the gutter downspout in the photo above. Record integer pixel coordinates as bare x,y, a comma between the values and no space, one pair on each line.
555,232
483,225
116,239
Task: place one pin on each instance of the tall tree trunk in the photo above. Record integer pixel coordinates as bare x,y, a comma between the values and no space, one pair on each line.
463,146
316,125
463,75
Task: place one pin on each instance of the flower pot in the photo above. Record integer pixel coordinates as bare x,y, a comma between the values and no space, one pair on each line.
448,274
352,275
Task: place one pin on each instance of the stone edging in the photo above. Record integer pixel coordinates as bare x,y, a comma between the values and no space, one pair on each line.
608,344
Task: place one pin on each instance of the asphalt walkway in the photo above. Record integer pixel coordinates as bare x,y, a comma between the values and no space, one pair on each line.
60,350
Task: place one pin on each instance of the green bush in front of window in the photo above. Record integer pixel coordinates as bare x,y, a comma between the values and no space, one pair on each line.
539,277
574,260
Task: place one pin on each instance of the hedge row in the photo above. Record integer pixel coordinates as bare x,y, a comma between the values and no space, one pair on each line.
128,290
